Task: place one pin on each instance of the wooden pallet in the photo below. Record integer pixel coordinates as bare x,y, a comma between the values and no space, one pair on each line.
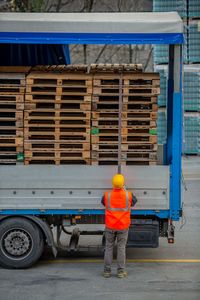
11,120
115,68
104,147
57,154
127,156
11,150
56,115
24,70
84,123
61,69
125,131
115,162
134,139
43,130
56,161
84,106
126,91
53,136
114,106
125,123
18,98
11,106
57,98
56,145
11,130
125,99
73,91
12,90
140,99
12,140
137,115
12,79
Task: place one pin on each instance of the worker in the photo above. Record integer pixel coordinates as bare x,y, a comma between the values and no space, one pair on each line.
118,205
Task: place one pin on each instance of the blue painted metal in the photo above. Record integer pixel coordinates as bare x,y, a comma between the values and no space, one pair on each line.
174,138
158,213
175,167
90,38
170,90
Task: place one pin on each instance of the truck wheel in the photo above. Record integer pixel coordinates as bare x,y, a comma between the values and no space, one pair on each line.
21,243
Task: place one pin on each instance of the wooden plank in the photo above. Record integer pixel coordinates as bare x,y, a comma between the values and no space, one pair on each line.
6,130
58,75
98,69
62,69
15,69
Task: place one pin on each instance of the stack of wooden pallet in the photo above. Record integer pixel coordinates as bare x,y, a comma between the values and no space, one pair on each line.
57,116
12,89
139,113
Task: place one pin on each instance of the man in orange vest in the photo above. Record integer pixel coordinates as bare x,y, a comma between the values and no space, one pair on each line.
118,205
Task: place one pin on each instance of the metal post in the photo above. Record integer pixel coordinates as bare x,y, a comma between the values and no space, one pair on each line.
120,125
176,137
170,104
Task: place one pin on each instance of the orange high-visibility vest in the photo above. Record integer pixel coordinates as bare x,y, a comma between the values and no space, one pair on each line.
118,209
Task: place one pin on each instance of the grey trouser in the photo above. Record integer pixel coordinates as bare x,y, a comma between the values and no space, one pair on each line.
121,236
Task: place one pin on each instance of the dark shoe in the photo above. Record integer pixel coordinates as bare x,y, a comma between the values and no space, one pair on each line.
106,274
122,274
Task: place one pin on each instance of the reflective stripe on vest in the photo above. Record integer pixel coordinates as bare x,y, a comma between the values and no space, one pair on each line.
126,208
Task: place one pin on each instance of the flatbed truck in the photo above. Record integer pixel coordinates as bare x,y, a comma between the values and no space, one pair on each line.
36,198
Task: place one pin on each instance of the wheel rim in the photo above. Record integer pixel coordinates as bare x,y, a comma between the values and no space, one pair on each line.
16,243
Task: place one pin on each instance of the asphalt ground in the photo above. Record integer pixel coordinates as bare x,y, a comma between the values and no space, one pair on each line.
171,271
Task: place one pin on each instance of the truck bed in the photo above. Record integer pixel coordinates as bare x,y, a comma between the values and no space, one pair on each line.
79,187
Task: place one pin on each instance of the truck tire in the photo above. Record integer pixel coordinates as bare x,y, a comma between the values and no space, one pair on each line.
21,243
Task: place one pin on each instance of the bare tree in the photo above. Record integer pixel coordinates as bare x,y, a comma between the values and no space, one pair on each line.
28,5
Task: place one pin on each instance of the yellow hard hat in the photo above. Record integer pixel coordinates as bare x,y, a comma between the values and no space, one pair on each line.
118,181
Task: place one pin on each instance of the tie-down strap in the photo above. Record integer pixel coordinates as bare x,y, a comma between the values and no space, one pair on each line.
126,208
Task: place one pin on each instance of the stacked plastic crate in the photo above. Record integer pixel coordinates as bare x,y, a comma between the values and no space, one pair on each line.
191,92
194,41
161,51
193,8
190,13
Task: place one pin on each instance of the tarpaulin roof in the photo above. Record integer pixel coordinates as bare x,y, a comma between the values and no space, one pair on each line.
92,27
